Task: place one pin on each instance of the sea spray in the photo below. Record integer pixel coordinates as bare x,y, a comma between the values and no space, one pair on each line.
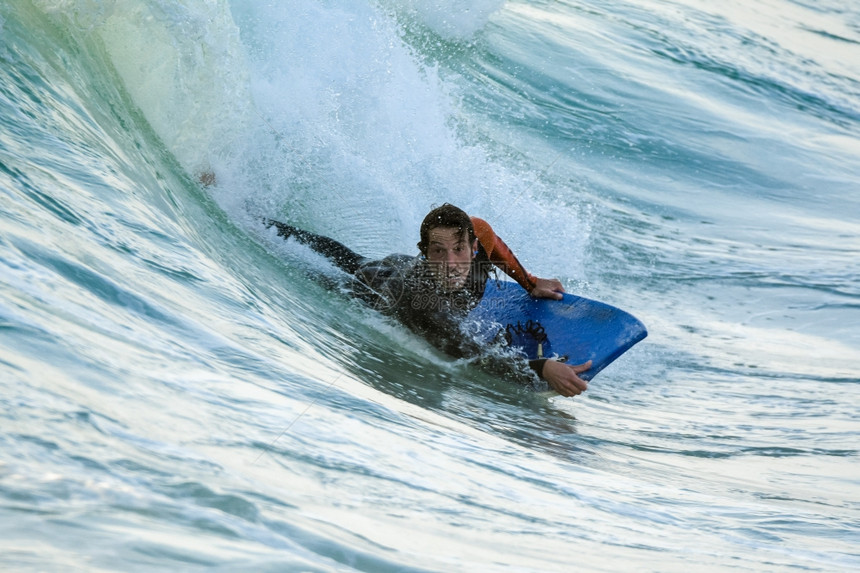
450,19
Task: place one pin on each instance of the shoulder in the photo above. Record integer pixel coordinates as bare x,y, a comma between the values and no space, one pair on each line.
396,260
481,226
484,233
390,268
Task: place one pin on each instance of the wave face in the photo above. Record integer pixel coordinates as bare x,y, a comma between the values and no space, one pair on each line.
180,392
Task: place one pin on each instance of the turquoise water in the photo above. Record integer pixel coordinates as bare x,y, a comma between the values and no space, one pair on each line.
180,394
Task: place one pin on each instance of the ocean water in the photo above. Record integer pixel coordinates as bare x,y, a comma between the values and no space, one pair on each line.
180,393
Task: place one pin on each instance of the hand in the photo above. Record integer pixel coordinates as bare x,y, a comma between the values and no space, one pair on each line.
547,288
563,377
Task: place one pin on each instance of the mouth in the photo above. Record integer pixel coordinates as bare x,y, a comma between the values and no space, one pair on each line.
454,279
450,278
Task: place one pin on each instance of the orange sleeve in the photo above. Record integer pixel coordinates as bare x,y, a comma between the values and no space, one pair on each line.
502,256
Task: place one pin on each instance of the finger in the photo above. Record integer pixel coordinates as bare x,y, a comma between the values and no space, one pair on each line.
575,386
578,382
579,368
548,292
567,389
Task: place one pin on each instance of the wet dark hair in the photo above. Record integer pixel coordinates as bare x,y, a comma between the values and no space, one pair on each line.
446,216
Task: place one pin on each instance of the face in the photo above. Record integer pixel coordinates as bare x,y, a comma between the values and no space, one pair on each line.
450,255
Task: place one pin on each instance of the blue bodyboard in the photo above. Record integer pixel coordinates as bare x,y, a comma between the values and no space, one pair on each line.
575,329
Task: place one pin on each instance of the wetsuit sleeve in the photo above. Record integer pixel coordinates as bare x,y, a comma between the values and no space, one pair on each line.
501,255
459,341
527,373
537,366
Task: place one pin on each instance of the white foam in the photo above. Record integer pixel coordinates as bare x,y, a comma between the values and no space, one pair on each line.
452,19
318,114
184,66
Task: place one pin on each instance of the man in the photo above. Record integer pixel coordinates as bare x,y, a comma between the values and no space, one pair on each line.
433,292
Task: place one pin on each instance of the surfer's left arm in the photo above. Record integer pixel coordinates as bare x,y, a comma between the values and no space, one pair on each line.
564,378
502,256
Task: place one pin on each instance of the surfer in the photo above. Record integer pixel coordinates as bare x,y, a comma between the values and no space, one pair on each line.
431,293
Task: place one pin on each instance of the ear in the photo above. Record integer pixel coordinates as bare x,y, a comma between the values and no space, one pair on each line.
474,248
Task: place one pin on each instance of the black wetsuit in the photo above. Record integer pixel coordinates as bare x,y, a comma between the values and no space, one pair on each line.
402,286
